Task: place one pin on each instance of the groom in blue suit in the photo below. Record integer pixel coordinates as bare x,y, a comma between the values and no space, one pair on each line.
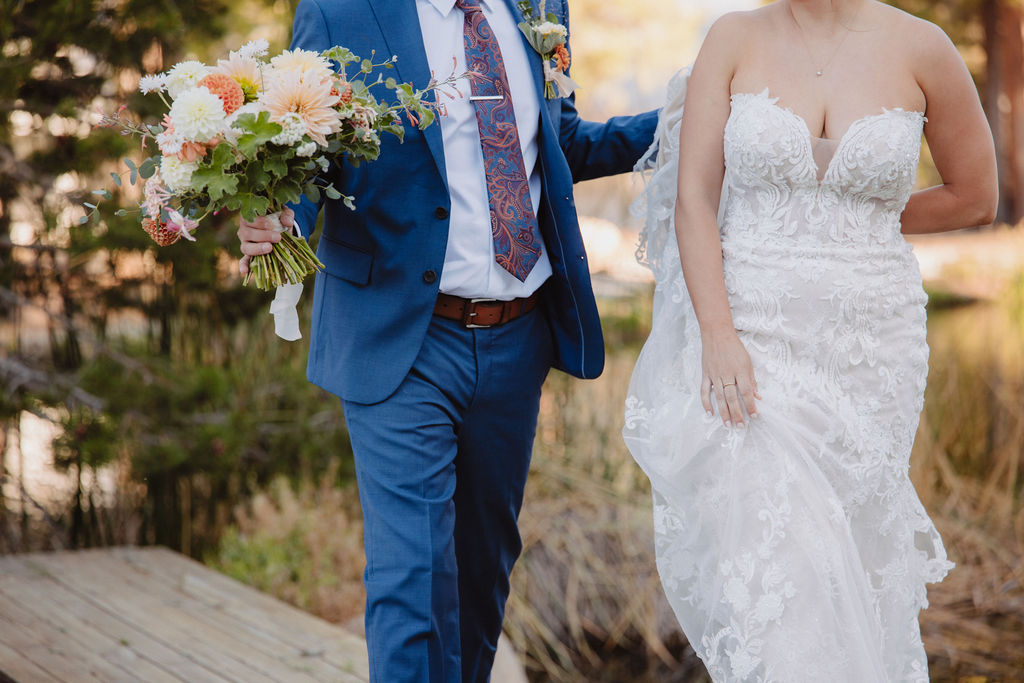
458,281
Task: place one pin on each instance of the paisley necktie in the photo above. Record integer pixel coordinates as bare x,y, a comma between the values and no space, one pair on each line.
513,224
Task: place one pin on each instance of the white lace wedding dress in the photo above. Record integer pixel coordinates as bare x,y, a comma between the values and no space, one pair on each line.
796,549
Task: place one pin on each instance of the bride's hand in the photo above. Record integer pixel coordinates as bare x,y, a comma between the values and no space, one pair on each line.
729,377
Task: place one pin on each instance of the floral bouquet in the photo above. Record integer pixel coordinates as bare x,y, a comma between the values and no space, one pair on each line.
252,134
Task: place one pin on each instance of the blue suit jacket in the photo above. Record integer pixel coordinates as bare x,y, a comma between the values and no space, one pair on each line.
383,261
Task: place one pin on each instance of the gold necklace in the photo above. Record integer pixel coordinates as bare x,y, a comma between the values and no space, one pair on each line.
820,70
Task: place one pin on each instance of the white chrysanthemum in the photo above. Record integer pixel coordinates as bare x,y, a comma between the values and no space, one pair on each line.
254,48
306,149
549,28
183,76
197,115
152,83
302,61
292,129
177,174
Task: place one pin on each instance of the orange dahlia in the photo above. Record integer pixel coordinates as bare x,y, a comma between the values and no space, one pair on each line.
227,89
160,233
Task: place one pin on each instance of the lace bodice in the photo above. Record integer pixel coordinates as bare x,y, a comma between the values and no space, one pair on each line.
772,186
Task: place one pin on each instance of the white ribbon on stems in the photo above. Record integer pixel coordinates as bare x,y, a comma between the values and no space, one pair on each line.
286,318
563,84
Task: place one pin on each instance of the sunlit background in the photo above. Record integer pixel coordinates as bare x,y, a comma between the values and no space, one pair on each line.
144,398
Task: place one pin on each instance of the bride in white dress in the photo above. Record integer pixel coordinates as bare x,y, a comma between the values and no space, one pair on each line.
775,403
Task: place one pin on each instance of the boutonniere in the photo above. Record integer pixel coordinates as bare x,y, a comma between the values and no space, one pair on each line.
548,38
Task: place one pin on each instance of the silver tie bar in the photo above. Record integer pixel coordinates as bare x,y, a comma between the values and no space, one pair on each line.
477,98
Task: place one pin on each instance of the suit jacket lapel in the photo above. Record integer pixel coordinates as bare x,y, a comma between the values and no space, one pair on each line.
400,26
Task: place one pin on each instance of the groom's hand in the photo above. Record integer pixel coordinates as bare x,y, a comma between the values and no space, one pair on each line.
258,237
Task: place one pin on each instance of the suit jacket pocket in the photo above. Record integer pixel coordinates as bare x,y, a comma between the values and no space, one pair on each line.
345,261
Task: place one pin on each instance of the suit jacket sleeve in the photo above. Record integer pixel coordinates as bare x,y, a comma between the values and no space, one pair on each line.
309,32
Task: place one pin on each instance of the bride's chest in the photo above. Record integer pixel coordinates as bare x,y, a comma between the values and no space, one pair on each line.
769,146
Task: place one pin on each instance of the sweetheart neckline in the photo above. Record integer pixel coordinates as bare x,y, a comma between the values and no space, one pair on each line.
774,101
766,96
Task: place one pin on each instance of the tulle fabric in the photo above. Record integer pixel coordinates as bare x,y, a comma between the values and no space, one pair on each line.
795,549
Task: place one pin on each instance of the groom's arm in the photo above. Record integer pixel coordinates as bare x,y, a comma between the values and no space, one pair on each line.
594,149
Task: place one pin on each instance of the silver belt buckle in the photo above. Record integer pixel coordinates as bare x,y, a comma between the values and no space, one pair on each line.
469,315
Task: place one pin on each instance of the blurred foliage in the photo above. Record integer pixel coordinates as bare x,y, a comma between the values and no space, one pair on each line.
153,361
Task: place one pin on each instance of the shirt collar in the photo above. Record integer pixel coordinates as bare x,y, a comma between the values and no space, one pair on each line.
444,7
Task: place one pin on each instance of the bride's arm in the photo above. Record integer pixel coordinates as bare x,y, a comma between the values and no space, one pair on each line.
701,169
959,139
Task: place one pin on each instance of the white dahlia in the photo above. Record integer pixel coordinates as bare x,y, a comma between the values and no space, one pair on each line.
197,115
305,94
176,174
302,61
183,76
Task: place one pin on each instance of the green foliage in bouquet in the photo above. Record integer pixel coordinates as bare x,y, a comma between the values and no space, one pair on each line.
252,135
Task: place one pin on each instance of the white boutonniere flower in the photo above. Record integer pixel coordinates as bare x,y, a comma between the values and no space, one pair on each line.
548,38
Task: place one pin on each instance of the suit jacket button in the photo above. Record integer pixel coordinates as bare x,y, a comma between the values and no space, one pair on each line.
441,213
429,276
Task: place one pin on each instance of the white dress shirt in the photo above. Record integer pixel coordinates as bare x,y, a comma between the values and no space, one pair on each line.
470,270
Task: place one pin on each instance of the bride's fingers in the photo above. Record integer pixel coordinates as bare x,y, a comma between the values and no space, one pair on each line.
705,395
748,394
732,400
723,407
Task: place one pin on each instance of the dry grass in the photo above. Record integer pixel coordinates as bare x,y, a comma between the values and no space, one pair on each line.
303,545
586,602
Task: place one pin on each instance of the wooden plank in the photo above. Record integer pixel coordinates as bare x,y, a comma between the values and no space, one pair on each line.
149,614
251,607
94,616
15,665
53,605
153,606
333,652
48,648
143,612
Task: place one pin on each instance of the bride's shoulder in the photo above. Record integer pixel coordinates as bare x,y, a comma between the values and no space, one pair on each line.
921,38
735,28
926,47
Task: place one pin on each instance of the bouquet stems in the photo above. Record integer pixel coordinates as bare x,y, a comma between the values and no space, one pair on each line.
288,263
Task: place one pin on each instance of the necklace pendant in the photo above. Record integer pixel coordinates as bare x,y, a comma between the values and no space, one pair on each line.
818,74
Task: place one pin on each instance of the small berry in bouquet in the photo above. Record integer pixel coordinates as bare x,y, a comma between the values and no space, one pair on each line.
252,134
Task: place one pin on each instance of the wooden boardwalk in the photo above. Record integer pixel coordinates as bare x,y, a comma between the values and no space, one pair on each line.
149,614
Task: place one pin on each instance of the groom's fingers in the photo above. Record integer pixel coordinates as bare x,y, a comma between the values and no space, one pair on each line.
243,265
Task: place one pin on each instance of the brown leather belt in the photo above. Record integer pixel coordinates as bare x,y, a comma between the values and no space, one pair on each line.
473,313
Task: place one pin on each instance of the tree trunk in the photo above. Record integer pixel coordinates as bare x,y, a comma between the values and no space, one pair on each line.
1004,101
